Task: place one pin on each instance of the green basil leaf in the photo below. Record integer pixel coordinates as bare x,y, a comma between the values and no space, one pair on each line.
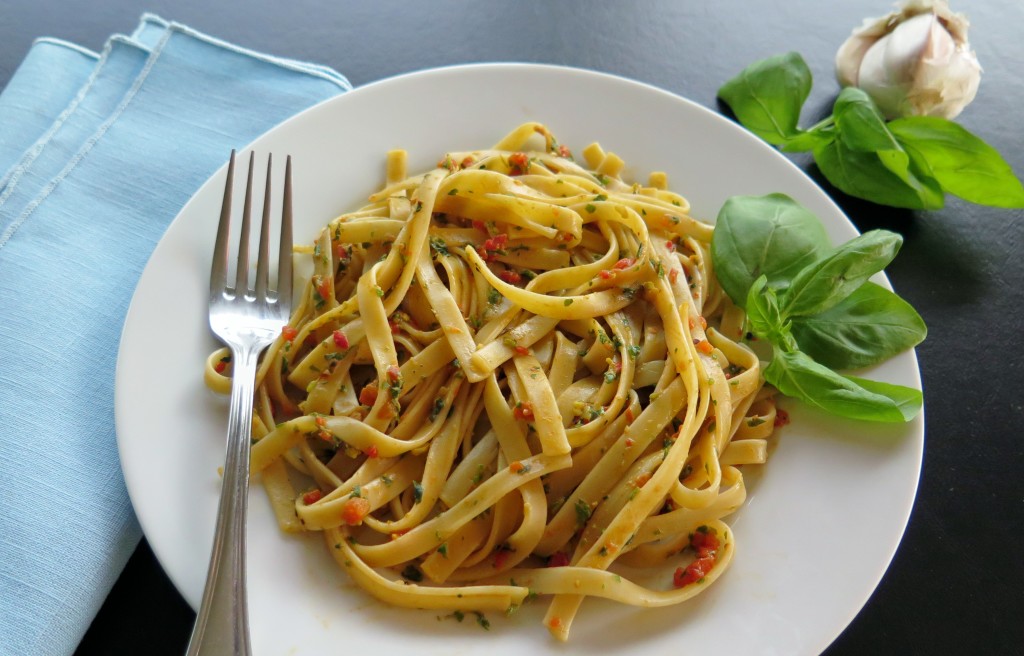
768,95
769,235
810,139
907,399
758,312
867,327
861,127
824,283
764,316
870,176
860,123
964,164
796,374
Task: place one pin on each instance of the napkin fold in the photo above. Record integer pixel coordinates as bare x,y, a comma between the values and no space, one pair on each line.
98,153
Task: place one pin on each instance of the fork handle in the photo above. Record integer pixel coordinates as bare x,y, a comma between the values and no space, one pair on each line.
222,625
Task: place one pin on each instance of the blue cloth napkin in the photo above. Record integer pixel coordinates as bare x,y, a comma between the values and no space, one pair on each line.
98,153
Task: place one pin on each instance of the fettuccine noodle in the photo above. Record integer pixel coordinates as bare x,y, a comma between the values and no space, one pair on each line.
506,377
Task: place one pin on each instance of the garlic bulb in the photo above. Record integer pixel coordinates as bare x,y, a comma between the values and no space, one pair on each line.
913,61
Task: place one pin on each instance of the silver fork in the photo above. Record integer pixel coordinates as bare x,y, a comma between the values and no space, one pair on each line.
247,320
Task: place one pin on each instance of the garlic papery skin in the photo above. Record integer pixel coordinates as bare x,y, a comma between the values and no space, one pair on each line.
914,61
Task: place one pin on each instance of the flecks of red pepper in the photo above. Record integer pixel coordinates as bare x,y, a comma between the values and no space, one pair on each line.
511,277
672,275
706,545
605,275
693,572
340,340
625,263
522,350
523,411
220,367
500,558
558,559
781,417
704,540
289,333
309,498
372,451
369,395
518,162
495,243
325,288
355,510
394,372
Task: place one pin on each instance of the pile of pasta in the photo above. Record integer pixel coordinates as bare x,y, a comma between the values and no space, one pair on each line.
513,375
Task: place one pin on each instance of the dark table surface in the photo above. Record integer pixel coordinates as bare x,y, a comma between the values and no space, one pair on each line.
956,585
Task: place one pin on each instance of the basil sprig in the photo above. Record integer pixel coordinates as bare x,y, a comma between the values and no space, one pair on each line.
910,162
815,305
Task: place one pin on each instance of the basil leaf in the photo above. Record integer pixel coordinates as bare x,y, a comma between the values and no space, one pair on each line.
810,139
861,127
907,399
831,279
764,235
870,325
767,96
964,164
797,375
764,315
871,177
860,123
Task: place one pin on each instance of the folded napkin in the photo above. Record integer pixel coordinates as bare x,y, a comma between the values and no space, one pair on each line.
98,153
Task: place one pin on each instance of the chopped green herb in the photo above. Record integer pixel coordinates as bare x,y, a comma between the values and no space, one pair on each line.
438,407
582,513
438,245
412,573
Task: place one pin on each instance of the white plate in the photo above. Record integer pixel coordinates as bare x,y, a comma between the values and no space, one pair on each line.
822,521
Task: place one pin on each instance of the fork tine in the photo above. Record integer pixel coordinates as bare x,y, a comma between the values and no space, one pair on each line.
284,262
263,257
242,268
219,266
